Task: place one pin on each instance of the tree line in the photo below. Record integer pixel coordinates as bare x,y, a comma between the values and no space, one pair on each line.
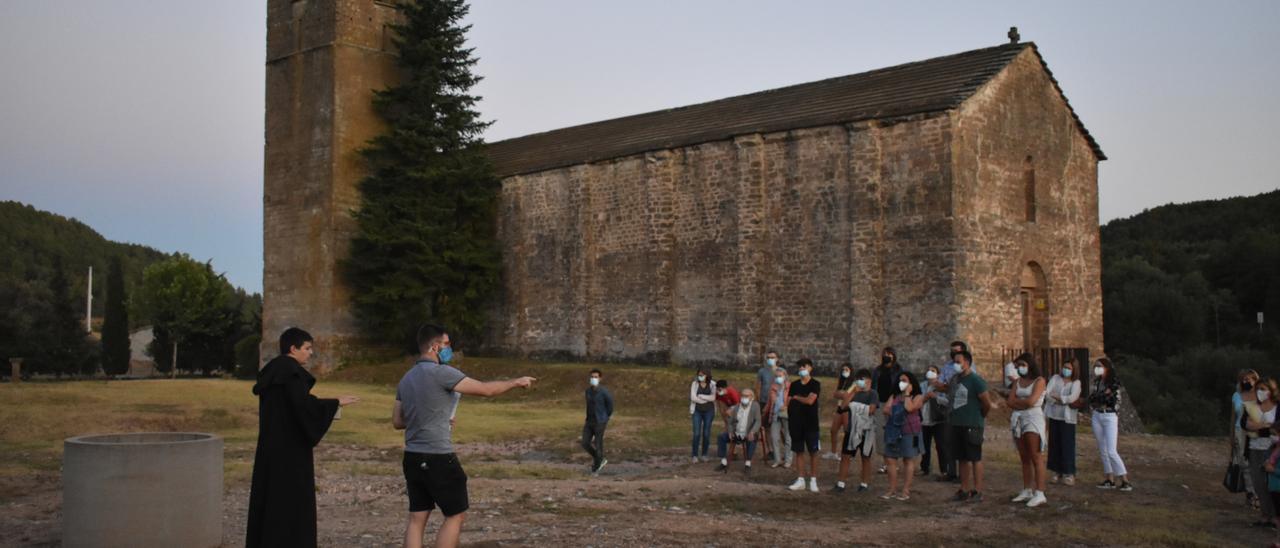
43,288
1182,288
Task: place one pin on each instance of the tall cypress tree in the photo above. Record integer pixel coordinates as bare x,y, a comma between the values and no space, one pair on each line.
115,323
425,246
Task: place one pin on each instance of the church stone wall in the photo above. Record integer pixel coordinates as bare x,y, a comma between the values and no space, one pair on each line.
1019,114
827,242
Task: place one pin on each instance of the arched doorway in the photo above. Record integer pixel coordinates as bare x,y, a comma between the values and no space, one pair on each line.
1034,297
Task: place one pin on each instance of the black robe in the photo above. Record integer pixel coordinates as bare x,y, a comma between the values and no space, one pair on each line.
282,501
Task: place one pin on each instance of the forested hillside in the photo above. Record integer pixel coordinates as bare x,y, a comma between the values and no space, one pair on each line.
1182,288
42,300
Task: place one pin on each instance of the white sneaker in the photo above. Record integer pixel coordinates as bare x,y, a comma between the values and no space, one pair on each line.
694,460
813,485
1024,496
798,485
1037,500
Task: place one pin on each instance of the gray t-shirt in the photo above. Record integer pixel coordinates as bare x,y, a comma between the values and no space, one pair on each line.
427,402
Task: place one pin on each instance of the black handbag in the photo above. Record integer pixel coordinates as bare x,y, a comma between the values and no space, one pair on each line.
1234,480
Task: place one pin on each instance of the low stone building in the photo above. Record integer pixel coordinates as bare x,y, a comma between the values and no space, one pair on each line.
952,198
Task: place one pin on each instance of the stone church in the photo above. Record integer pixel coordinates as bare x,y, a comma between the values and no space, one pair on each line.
950,198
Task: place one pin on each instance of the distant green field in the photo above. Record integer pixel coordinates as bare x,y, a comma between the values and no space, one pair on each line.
652,414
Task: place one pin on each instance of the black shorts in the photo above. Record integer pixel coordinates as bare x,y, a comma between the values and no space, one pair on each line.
803,437
435,480
966,443
861,446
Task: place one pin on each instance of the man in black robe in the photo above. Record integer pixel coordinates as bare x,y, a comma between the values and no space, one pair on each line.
282,500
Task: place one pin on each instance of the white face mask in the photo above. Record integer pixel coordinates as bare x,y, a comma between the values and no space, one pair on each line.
720,392
1098,371
702,378
595,381
1263,395
1022,371
746,401
902,386
844,374
773,362
959,368
931,375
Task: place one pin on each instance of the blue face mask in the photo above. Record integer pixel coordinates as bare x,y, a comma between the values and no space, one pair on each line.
779,380
595,381
862,383
445,354
1066,373
804,372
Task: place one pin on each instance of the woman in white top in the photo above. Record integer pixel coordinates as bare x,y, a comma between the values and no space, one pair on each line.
1062,393
1027,422
1257,425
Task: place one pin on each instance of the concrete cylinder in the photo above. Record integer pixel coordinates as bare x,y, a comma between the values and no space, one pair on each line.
142,489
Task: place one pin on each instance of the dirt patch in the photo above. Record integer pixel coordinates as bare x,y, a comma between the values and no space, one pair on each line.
662,499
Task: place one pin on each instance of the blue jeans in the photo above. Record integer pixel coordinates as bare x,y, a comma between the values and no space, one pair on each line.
702,431
1062,448
723,443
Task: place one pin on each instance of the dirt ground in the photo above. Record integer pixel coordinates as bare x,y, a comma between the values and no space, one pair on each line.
521,495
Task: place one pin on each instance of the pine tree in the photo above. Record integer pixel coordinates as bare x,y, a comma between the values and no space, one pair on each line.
115,323
425,247
65,345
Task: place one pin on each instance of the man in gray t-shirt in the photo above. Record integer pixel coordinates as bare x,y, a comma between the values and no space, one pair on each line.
425,402
427,399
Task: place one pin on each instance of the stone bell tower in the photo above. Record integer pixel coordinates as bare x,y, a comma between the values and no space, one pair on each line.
324,60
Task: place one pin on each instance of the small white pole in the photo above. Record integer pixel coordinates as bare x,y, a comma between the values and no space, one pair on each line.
88,307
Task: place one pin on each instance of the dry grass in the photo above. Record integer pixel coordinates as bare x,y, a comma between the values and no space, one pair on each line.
1178,501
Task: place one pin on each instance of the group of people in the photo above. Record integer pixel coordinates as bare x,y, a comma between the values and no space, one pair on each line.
886,411
912,424
1255,444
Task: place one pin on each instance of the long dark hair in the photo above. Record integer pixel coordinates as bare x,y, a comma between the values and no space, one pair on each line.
1033,370
911,379
891,351
842,382
1109,371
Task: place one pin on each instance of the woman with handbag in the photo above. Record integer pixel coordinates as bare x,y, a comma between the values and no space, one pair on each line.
1062,408
1259,416
903,434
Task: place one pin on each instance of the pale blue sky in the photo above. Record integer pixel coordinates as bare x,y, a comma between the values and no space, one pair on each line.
144,118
